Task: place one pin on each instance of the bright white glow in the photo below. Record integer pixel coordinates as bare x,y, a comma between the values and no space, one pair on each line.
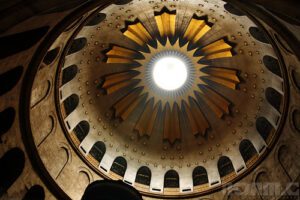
169,73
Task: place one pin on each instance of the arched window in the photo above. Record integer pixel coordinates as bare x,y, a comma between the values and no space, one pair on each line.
98,151
143,176
274,98
171,179
15,43
99,17
233,10
51,55
258,34
264,127
247,150
81,130
225,166
11,166
69,73
71,103
200,176
272,64
36,192
7,118
77,45
119,166
9,79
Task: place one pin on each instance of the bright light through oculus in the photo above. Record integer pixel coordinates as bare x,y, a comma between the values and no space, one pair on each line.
170,73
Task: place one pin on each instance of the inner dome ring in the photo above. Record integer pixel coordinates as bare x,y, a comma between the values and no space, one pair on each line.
187,68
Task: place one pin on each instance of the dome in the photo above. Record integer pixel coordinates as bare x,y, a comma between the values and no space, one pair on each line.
177,99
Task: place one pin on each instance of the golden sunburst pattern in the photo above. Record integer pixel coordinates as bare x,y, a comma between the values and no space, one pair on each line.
170,105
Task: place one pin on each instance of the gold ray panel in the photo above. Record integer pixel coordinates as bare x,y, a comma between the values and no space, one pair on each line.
218,49
171,130
115,82
146,122
166,24
196,30
197,121
138,33
120,55
223,73
126,105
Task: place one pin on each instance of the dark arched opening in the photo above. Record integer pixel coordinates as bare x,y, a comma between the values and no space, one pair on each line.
225,166
11,166
171,179
264,127
51,55
71,103
247,150
77,45
69,73
119,166
81,130
200,176
7,118
143,176
274,98
98,151
9,79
